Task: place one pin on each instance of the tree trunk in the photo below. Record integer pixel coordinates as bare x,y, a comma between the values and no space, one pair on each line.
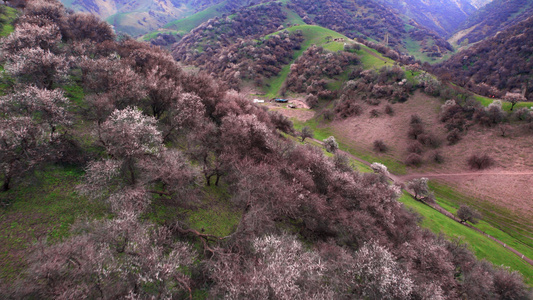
5,186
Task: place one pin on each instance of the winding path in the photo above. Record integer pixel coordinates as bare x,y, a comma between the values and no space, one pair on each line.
404,178
444,175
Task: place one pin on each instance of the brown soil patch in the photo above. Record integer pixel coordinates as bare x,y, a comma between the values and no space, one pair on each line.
512,153
363,130
513,192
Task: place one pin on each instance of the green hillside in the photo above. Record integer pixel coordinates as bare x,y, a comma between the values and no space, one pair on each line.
185,25
316,35
7,17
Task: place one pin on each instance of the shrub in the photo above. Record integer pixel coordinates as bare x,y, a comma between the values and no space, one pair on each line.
415,130
342,162
453,136
389,110
415,148
429,140
379,146
413,159
437,157
374,113
347,108
415,119
281,122
311,100
480,162
328,114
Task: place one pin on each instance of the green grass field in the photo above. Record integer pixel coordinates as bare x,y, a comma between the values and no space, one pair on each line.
497,221
485,101
42,206
185,25
483,247
7,19
313,35
316,35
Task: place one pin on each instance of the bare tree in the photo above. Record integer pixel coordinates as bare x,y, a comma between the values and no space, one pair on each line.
306,133
480,161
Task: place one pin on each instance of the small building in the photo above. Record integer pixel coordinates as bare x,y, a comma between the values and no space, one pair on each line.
259,101
279,100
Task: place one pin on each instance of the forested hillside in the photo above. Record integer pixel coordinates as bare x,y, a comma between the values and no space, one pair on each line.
443,17
494,17
497,65
202,194
371,20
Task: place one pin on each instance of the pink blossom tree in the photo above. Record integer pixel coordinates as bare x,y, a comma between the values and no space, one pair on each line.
280,268
30,35
137,162
30,121
119,258
37,66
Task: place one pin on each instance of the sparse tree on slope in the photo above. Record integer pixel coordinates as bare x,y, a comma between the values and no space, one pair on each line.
306,133
419,187
466,213
331,144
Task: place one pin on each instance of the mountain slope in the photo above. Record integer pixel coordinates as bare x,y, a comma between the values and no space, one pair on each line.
442,16
136,17
479,3
492,18
504,62
376,22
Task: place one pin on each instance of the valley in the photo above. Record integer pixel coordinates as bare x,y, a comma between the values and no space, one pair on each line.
148,151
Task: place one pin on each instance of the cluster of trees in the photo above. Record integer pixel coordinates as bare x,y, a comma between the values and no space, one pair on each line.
157,131
346,17
461,114
422,139
494,17
249,59
309,74
249,23
497,65
233,49
371,86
